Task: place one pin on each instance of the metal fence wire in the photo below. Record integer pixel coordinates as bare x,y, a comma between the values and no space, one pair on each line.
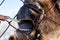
9,22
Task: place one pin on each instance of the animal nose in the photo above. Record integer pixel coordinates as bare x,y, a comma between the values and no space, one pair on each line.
26,26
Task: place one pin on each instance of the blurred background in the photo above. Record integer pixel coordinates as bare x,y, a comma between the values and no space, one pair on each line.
9,8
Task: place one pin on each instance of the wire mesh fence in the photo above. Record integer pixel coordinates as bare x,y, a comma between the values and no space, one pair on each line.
9,26
7,30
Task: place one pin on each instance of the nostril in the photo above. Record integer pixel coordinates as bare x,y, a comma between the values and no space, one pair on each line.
26,26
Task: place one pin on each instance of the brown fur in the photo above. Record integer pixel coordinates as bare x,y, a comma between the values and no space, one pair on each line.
50,30
49,26
13,37
20,36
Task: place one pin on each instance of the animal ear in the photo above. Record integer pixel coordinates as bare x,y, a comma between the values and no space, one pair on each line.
13,37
